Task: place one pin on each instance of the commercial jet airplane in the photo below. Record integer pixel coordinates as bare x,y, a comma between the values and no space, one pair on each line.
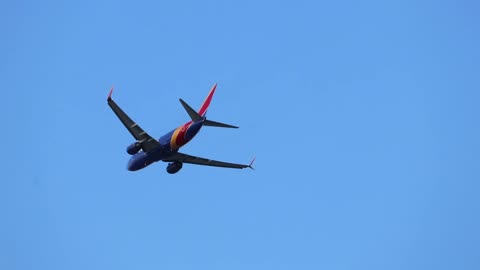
146,150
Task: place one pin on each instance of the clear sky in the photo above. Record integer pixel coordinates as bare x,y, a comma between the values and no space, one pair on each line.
363,116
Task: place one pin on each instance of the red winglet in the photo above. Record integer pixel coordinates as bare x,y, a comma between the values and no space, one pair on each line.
251,163
110,94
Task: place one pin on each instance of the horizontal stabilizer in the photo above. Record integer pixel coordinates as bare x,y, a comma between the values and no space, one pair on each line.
191,112
217,124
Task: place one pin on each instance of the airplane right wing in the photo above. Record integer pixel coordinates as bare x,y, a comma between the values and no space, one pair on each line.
206,162
147,143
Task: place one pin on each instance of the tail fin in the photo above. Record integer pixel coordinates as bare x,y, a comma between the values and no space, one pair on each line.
200,115
206,103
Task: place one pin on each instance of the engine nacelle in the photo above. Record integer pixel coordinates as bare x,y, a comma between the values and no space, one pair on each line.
133,148
174,167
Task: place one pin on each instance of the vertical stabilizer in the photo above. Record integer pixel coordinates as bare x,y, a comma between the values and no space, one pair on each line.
206,103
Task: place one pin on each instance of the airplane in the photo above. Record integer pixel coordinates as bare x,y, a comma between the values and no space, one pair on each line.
146,150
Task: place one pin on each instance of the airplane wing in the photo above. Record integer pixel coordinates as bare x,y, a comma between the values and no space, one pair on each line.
147,143
206,162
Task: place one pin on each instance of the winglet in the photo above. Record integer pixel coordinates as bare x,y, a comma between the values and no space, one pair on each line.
251,163
110,94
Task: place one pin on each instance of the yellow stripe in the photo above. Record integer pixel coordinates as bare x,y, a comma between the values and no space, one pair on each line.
173,141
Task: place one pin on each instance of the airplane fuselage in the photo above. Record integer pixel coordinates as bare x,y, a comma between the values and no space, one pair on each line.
170,142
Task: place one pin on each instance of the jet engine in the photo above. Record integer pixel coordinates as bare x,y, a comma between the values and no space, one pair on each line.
133,148
174,167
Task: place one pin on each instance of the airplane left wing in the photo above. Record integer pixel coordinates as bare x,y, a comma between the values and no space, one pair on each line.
147,143
206,162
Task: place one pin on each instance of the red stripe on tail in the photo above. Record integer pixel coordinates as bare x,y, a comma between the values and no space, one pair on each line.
207,101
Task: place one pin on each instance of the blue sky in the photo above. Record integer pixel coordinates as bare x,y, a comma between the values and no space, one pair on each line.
363,117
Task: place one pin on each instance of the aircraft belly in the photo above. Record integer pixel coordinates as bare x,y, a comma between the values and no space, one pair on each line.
142,159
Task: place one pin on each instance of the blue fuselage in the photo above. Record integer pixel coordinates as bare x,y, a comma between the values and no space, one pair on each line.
170,143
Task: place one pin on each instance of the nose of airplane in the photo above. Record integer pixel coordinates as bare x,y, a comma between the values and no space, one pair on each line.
134,164
130,166
139,161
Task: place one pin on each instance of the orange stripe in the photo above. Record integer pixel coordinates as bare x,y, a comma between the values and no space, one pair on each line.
173,140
